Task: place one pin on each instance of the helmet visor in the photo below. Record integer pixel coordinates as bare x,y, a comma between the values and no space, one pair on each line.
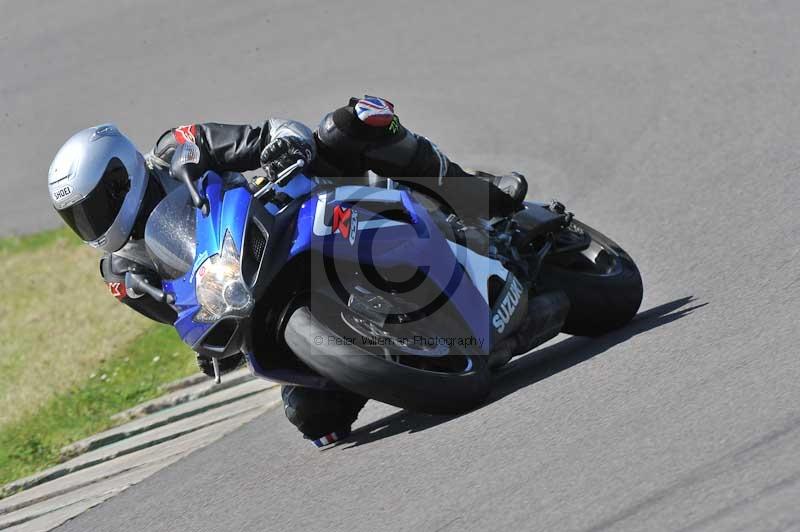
92,216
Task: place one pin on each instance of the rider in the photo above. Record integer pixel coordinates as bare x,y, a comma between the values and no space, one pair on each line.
104,189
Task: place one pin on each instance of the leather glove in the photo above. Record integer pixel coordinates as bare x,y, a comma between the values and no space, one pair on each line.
282,153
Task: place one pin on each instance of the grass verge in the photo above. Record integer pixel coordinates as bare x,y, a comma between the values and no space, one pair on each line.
70,354
123,380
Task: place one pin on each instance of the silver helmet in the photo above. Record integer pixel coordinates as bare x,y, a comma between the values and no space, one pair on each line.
97,181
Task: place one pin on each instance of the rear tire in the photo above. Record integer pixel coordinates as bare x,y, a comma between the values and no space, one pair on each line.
318,336
605,291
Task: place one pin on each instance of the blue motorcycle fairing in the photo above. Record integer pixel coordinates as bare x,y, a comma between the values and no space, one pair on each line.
227,214
388,243
378,241
298,186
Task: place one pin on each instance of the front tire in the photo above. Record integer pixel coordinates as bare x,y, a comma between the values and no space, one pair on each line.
320,337
603,285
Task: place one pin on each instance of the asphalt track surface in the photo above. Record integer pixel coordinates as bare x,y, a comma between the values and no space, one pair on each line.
671,126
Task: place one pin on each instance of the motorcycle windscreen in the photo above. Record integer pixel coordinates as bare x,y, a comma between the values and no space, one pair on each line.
170,234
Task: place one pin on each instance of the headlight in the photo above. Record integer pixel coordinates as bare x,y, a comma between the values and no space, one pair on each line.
219,285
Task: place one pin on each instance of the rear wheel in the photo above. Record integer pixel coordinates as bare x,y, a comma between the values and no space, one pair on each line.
373,360
602,282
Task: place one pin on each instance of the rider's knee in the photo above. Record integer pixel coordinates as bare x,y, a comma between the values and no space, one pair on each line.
366,135
318,412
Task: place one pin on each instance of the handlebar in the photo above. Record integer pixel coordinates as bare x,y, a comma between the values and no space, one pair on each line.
288,171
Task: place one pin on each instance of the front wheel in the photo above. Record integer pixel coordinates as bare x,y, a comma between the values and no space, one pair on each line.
429,376
602,283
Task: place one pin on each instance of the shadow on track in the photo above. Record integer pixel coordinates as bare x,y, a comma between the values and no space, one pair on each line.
529,369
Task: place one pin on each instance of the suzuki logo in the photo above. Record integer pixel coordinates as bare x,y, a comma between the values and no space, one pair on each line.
507,307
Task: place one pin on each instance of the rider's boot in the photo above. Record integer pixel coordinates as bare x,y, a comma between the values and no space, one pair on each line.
513,184
481,195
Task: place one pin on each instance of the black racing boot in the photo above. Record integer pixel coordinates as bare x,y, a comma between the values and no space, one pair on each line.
514,185
323,416
476,196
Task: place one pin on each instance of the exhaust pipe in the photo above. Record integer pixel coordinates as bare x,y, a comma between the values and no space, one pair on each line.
546,316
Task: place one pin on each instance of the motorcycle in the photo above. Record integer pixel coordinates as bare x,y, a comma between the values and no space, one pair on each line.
376,288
